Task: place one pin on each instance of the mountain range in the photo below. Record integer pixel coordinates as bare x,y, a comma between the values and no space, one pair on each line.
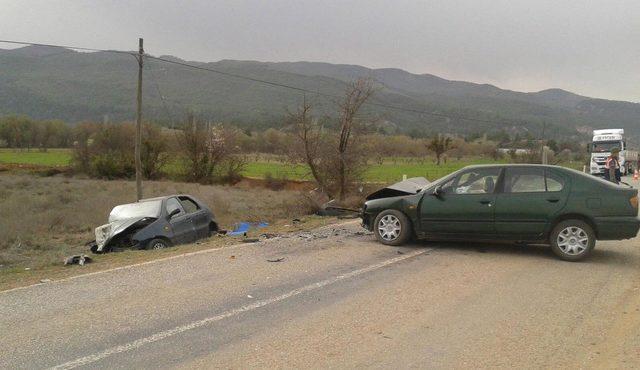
50,82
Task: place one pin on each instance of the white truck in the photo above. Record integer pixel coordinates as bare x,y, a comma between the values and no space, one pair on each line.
601,145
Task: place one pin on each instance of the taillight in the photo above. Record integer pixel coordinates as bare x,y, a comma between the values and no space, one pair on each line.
634,201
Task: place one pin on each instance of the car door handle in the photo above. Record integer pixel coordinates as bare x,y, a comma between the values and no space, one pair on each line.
553,200
485,201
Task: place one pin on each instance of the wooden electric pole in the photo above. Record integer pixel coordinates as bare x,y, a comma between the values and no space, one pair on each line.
139,123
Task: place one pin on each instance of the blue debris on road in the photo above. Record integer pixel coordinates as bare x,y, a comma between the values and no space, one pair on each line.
241,228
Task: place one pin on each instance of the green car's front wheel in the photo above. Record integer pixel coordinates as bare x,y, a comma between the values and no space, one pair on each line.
392,227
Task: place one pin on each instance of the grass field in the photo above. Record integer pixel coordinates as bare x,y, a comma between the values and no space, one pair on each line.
52,157
389,171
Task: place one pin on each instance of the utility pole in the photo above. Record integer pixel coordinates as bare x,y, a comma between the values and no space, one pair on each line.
543,149
139,123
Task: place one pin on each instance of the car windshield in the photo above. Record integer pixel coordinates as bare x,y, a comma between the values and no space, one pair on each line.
150,208
604,146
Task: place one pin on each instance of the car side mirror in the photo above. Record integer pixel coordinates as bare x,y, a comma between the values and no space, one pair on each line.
437,191
173,213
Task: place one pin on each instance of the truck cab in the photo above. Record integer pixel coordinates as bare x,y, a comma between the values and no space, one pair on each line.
601,145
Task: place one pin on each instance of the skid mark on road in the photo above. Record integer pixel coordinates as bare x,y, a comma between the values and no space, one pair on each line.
196,324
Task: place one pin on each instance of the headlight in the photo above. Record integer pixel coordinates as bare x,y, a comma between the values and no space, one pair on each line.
102,233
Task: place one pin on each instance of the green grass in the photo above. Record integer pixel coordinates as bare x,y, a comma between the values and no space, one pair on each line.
389,171
260,170
52,157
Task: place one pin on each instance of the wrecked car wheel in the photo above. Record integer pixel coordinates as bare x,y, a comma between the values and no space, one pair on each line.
158,244
392,227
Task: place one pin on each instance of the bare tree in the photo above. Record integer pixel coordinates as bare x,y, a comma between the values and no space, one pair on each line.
205,147
309,135
335,159
357,94
439,145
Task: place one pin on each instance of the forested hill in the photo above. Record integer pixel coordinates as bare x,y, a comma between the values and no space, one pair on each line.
45,82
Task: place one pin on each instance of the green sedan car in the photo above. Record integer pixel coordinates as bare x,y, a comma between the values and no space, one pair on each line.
530,204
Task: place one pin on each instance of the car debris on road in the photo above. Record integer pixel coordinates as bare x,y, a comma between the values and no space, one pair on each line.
80,259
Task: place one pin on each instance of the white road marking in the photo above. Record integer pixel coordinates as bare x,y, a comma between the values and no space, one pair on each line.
183,255
196,324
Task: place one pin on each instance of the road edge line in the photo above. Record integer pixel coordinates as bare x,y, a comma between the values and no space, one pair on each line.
168,258
233,312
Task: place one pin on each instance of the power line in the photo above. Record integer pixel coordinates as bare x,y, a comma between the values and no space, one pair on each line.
65,46
162,97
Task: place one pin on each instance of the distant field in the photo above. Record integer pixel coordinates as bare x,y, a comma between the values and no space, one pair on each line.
52,157
389,171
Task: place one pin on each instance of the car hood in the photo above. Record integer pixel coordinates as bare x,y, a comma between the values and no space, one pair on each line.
405,187
106,232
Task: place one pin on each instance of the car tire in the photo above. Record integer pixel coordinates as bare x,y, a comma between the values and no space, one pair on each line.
392,227
213,229
157,244
572,240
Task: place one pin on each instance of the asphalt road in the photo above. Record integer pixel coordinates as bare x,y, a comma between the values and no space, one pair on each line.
343,301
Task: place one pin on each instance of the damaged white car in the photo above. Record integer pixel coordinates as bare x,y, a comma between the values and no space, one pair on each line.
155,223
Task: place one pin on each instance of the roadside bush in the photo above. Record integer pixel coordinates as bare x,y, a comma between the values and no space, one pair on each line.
83,139
112,166
154,151
231,169
113,151
107,151
211,153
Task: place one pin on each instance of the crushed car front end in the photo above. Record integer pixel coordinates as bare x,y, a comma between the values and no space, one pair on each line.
122,234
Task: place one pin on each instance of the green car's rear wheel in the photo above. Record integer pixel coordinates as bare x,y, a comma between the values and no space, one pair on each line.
392,227
572,240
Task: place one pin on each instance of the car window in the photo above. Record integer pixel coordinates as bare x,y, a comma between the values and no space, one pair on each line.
189,205
476,181
524,180
554,182
172,203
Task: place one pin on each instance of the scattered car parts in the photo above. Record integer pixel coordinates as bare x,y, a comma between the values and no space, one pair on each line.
80,259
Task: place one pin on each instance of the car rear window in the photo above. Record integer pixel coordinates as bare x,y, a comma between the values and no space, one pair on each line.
554,182
524,180
531,180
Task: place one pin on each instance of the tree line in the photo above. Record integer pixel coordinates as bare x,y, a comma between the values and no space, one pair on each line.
335,151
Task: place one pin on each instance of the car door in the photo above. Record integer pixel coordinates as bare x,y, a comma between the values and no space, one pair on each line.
181,223
199,217
464,205
529,199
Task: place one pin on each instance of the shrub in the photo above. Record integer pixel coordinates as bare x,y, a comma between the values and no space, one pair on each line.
231,169
107,151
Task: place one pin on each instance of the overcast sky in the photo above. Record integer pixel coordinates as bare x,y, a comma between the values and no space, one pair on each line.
588,47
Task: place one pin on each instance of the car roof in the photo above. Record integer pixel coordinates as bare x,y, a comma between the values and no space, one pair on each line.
501,165
165,197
